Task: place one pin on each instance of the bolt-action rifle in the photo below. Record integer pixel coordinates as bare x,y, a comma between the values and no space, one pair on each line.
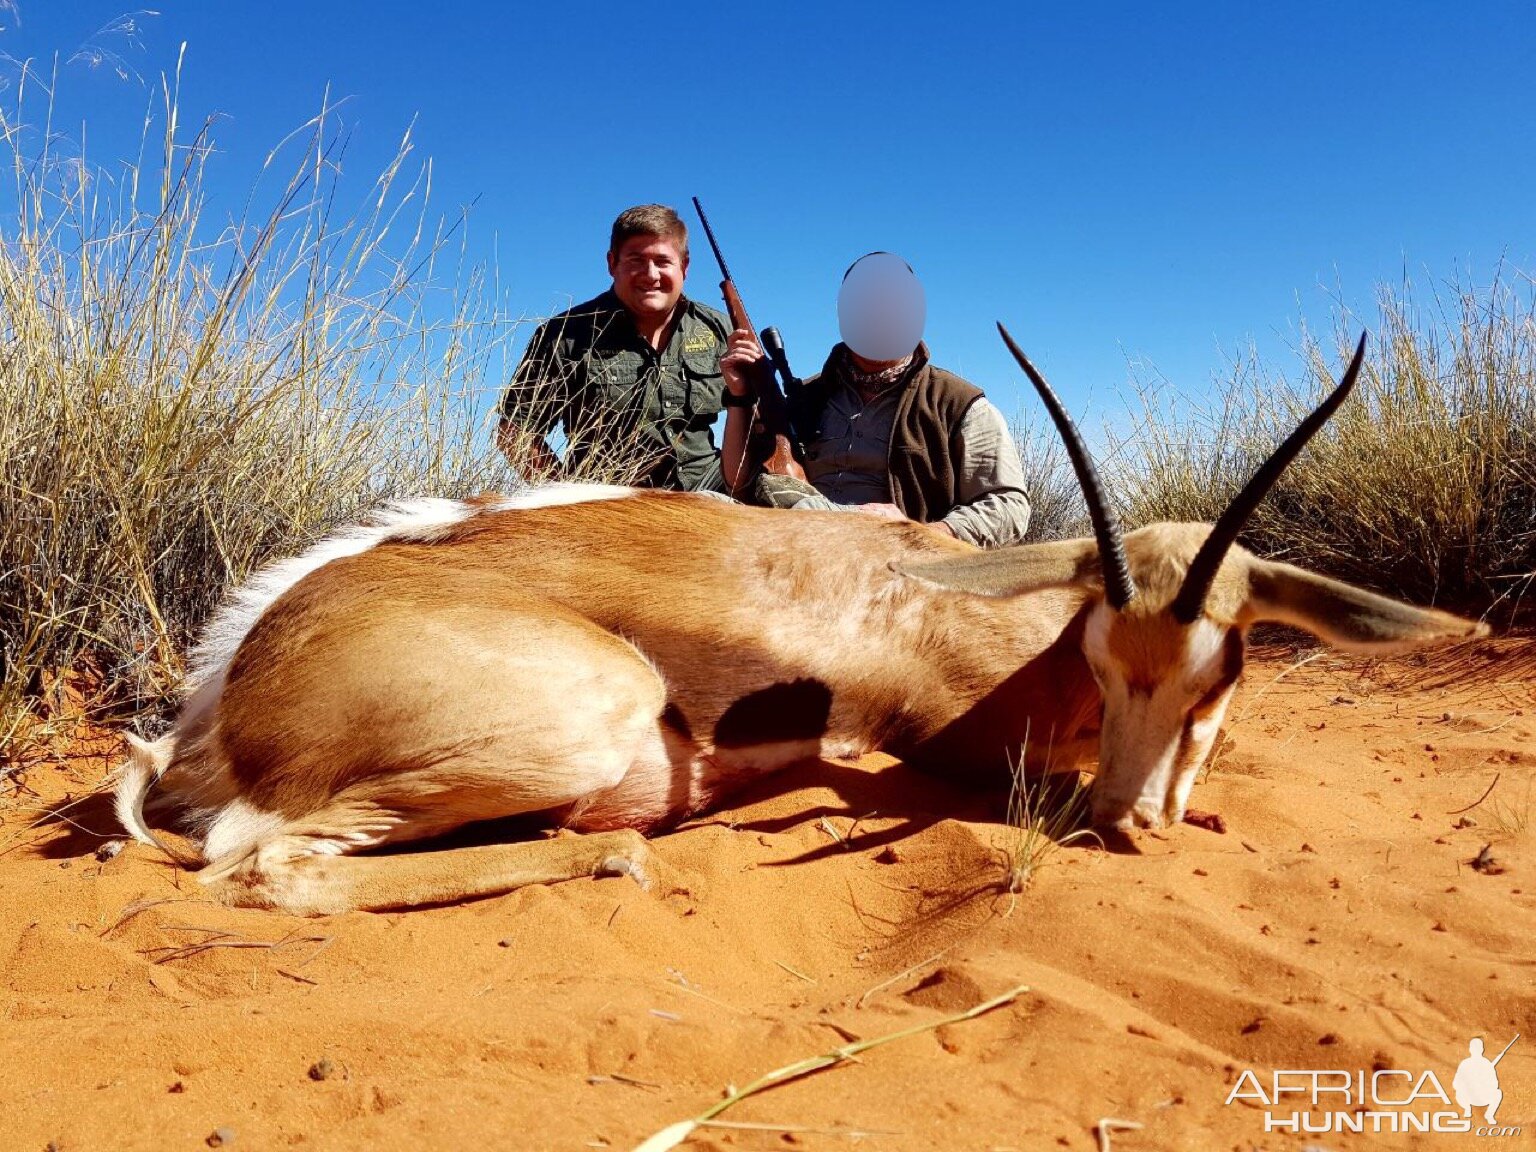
775,447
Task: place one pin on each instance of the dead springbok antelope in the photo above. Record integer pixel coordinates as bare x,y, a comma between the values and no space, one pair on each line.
615,660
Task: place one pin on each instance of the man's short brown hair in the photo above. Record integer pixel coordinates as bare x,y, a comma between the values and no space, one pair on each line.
648,220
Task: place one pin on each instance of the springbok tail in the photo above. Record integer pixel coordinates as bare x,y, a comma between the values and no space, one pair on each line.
146,761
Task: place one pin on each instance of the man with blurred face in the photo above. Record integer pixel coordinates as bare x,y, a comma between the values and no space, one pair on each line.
888,433
633,377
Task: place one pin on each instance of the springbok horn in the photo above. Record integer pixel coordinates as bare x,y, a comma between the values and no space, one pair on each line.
1119,588
1190,602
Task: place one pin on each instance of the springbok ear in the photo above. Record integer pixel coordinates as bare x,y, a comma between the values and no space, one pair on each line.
1348,617
1011,571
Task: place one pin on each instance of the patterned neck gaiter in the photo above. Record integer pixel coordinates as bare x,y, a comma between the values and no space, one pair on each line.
872,381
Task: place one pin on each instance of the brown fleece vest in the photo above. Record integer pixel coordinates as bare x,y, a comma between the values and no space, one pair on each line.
925,449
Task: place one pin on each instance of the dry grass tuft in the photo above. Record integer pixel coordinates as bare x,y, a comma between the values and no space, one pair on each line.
181,401
1056,508
1043,815
1507,812
1423,485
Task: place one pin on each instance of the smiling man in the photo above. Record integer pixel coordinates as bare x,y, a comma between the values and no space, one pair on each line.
633,376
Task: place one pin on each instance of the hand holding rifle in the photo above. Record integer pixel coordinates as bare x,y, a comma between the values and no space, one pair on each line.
741,364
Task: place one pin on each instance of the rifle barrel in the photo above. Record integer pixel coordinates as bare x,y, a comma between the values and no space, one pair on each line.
709,232
771,400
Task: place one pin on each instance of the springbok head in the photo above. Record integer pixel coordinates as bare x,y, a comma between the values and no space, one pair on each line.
1169,608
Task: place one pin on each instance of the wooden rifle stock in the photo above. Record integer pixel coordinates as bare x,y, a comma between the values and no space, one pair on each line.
773,448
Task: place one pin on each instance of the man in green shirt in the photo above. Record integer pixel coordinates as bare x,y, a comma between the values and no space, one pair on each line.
634,376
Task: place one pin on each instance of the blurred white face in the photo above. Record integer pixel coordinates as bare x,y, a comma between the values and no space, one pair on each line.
881,308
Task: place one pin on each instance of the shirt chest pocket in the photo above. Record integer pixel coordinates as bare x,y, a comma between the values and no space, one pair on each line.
702,382
611,376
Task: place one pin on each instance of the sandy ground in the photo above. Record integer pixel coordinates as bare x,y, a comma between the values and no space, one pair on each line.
1336,924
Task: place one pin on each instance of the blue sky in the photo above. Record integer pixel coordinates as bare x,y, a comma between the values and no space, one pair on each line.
1132,188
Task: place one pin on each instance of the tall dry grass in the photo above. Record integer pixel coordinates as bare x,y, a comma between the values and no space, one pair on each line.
182,399
1056,508
1422,485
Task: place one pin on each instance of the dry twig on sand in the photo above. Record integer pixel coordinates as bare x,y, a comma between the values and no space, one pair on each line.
221,939
674,1134
1479,800
902,975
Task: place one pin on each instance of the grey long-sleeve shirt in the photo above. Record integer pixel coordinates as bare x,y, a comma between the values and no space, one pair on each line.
848,465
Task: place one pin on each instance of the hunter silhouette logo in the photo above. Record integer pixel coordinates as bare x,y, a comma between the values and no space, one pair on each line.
1382,1100
1477,1080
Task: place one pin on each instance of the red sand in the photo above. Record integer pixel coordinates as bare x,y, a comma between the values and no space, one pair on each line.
1336,924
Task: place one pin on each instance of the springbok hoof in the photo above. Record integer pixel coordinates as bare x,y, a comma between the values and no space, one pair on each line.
622,866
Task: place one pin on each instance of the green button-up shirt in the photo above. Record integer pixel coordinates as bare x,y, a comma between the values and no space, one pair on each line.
629,412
